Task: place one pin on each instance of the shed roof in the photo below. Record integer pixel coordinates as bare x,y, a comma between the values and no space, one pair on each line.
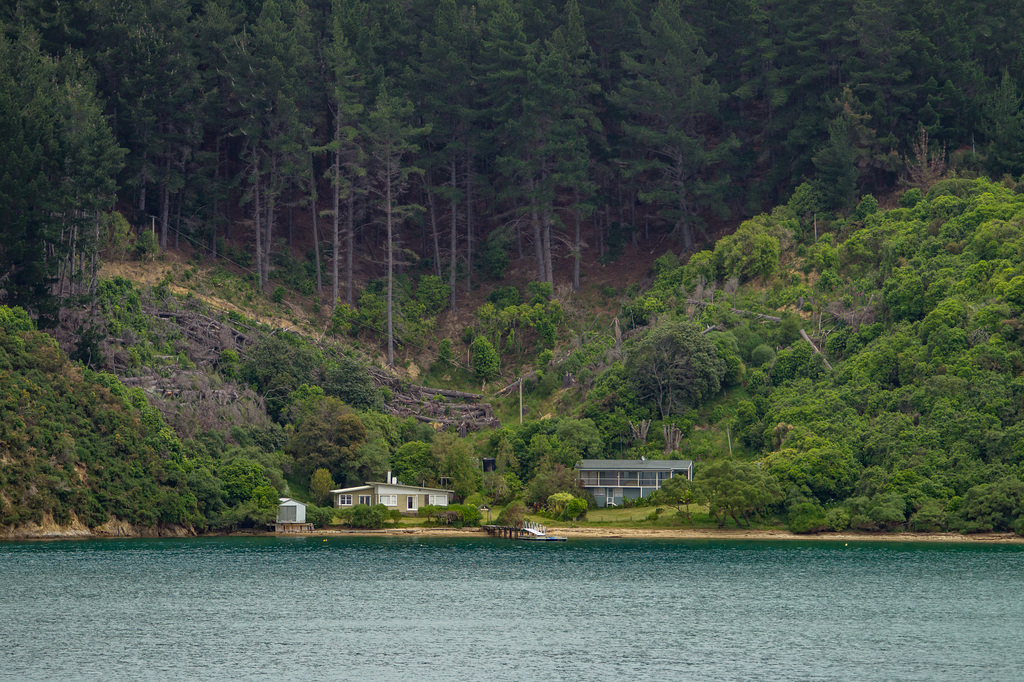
287,500
634,464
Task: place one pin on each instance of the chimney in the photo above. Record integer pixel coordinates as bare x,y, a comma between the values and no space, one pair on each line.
388,479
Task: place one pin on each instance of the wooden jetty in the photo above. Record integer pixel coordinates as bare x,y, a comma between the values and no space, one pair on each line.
528,531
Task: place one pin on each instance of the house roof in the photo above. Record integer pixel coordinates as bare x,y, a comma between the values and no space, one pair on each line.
410,487
634,464
372,485
352,490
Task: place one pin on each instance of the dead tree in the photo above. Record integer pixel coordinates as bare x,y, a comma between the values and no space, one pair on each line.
673,437
640,430
815,348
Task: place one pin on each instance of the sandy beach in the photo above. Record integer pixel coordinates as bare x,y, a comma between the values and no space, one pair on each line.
584,533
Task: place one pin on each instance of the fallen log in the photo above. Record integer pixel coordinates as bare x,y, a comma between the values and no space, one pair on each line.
737,311
816,350
445,393
759,315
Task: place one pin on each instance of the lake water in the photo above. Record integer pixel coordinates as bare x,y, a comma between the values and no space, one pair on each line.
396,608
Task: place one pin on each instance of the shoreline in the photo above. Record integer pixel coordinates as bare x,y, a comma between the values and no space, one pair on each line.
590,533
572,533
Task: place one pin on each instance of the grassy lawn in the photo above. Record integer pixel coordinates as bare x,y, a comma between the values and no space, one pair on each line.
637,517
612,517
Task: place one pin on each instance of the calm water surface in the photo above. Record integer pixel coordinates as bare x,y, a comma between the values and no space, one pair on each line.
489,609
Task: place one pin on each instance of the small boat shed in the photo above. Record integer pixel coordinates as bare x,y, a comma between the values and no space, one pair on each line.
291,517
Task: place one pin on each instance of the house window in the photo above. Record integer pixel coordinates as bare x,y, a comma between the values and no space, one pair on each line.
410,502
389,500
364,499
344,500
439,500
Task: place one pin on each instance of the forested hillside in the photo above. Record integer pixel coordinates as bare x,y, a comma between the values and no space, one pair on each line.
470,194
454,135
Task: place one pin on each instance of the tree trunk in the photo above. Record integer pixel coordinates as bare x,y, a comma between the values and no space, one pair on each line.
433,232
469,221
538,241
271,216
548,267
142,185
93,283
258,224
391,266
350,244
453,248
336,218
577,254
291,225
316,233
177,220
164,210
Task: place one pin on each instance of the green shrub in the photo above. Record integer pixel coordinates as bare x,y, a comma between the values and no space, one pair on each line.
319,516
485,359
807,517
445,356
365,516
512,515
504,297
433,294
15,320
761,354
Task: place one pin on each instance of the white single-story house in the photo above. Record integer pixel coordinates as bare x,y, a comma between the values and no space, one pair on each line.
612,480
393,495
291,517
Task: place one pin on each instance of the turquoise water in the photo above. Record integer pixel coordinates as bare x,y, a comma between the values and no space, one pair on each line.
489,609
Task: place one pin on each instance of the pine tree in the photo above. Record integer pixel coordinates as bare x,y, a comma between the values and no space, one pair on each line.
390,139
272,62
672,107
1005,129
444,79
58,177
344,95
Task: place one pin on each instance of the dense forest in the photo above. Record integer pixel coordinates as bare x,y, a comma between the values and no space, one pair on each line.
461,134
830,360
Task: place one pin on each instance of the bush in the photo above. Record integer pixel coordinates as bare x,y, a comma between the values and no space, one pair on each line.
575,510
445,356
365,516
485,359
512,515
457,515
319,516
432,294
807,517
15,320
761,354
504,297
